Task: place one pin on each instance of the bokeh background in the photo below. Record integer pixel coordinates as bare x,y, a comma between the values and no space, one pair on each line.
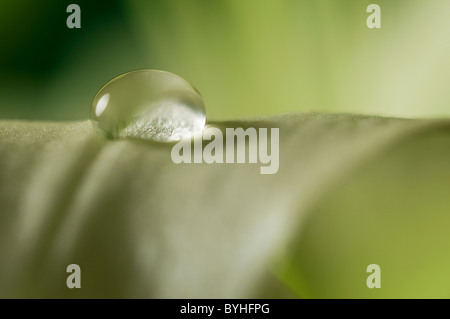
247,57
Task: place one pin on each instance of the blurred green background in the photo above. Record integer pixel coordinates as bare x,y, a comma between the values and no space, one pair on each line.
246,57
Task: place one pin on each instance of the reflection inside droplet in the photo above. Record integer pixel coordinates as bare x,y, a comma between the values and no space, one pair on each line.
101,104
149,104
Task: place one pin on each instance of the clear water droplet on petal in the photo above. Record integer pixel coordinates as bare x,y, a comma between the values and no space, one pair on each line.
149,104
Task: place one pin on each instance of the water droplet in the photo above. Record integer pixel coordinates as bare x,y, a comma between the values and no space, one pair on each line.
149,104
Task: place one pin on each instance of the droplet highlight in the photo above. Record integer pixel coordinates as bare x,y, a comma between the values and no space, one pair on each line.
149,104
